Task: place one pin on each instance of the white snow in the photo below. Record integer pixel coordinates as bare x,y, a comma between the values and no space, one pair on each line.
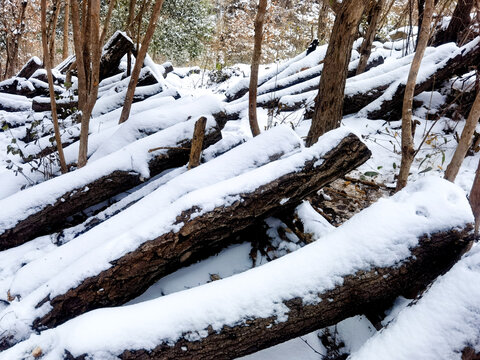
428,205
440,324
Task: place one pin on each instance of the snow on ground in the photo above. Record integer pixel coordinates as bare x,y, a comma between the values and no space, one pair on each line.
382,138
441,324
426,206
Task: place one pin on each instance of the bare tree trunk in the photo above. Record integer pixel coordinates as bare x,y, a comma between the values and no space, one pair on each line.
407,136
257,52
141,53
459,22
88,52
13,41
66,20
111,6
465,141
322,23
475,199
329,101
366,47
52,26
47,60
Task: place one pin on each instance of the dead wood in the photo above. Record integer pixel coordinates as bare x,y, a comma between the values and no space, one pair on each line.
117,46
197,143
52,217
359,293
133,273
29,68
392,109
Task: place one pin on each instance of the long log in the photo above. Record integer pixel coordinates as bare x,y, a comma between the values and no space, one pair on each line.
51,216
458,63
352,270
134,272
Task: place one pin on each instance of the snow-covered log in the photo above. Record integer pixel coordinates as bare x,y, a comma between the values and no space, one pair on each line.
280,71
442,324
41,209
397,245
113,51
378,94
196,224
14,103
30,67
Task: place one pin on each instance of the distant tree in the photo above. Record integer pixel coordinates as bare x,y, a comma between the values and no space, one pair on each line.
142,52
408,151
465,141
12,30
88,50
459,22
366,47
66,22
329,101
48,50
186,28
257,51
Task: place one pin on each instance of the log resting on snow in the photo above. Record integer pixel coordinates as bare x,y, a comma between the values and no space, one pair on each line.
390,109
134,272
30,67
52,216
360,293
351,270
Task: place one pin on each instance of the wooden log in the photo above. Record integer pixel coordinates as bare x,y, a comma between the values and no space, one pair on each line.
115,48
134,272
359,293
30,67
350,271
197,143
390,109
64,106
52,216
457,65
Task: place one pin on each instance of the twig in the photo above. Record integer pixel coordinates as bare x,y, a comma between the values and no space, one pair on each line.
168,148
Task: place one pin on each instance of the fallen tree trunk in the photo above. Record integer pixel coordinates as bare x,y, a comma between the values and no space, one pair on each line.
450,309
30,67
459,62
14,103
351,270
360,293
134,272
50,216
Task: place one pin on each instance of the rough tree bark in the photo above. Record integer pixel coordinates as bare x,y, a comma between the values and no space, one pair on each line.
458,24
66,22
197,143
257,52
465,141
47,60
12,41
366,48
329,101
140,57
322,22
134,272
408,151
87,53
52,217
475,199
